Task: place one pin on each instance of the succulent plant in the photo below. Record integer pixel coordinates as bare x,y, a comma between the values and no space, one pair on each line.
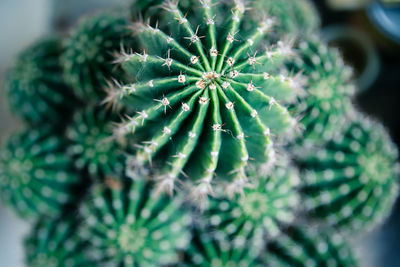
36,177
34,84
352,180
54,243
328,92
89,53
90,144
255,216
127,225
208,250
204,100
309,247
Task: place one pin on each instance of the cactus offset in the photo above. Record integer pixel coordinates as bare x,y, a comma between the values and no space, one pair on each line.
54,243
328,92
36,178
89,53
352,180
255,216
35,86
208,95
127,225
90,144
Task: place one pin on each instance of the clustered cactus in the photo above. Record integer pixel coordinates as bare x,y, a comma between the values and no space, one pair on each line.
194,133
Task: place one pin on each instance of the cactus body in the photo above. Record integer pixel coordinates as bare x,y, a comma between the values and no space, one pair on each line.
36,177
89,53
35,86
327,100
352,180
309,247
90,144
255,216
54,243
208,94
127,225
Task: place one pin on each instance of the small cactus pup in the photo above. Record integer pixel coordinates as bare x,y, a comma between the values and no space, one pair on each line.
35,86
126,224
210,250
309,247
90,144
254,217
329,90
89,53
54,243
208,95
36,177
351,182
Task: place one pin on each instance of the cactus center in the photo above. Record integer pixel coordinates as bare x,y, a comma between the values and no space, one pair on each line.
376,167
255,205
132,240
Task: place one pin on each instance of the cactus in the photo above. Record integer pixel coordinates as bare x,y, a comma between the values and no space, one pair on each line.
90,144
328,92
255,216
207,96
36,177
309,247
208,100
294,16
34,85
352,180
89,53
208,250
127,225
54,243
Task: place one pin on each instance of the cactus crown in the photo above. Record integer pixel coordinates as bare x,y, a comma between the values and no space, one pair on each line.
208,95
251,219
136,227
328,92
351,181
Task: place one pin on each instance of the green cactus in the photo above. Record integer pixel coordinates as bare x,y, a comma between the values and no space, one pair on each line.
327,99
36,177
208,250
352,180
295,16
205,101
35,87
54,243
255,216
127,225
89,53
90,144
309,247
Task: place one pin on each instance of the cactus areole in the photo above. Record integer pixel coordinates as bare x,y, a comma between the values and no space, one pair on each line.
208,95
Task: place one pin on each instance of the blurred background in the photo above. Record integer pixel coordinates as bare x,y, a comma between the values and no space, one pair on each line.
366,31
